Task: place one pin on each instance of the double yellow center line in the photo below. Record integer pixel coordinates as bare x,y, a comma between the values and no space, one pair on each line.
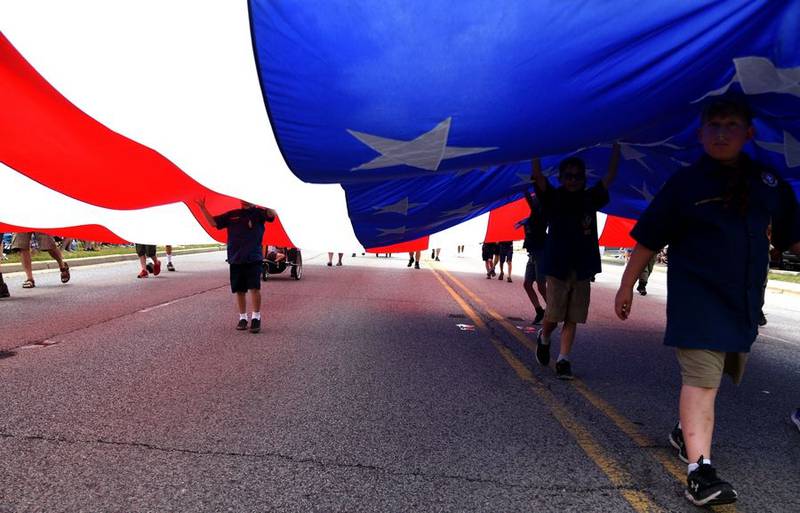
639,500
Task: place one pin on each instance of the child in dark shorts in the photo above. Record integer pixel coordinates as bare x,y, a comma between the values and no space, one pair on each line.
488,253
714,216
505,251
143,251
245,232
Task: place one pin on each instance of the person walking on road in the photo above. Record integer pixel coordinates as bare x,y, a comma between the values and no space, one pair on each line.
505,251
245,228
714,216
572,253
487,253
170,266
535,235
330,258
22,242
145,251
412,255
645,276
3,287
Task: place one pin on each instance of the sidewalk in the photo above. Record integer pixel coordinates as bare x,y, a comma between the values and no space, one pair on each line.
94,260
774,286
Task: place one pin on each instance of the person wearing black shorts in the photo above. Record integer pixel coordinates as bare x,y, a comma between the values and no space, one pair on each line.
145,251
245,232
488,254
505,250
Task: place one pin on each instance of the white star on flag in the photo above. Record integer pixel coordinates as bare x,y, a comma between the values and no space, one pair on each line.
385,232
425,152
466,209
758,75
401,207
790,148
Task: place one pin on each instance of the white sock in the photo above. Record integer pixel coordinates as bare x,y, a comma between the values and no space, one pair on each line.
169,259
694,466
256,315
562,357
243,316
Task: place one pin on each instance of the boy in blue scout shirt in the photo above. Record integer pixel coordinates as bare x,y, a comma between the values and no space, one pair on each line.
572,254
714,215
245,232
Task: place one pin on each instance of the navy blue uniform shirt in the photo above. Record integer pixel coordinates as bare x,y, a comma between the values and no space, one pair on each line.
535,226
245,232
718,254
571,243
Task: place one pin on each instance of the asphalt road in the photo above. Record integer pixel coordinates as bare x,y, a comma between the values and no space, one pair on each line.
372,387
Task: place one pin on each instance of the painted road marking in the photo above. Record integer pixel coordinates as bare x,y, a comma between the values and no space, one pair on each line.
664,457
613,470
151,308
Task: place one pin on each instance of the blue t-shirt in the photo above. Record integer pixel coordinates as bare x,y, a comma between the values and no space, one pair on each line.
245,232
535,226
571,243
718,253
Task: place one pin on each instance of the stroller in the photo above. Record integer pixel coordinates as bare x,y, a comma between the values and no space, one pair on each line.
277,259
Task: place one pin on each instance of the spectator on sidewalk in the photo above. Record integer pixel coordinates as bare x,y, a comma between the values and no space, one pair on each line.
572,253
22,242
714,216
245,227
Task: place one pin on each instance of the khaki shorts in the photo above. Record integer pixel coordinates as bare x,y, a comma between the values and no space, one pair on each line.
704,368
23,241
567,301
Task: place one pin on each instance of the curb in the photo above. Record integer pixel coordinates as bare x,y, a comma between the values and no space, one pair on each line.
774,286
81,262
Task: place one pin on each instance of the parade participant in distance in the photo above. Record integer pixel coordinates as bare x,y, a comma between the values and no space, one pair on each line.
245,227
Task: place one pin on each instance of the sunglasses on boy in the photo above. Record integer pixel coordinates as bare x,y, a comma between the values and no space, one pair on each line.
573,176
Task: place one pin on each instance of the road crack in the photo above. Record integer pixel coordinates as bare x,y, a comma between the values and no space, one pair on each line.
318,462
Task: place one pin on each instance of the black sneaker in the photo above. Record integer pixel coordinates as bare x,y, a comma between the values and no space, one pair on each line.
563,369
410,262
4,290
642,288
704,488
416,265
255,325
762,319
170,267
149,268
542,351
676,440
242,325
539,315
